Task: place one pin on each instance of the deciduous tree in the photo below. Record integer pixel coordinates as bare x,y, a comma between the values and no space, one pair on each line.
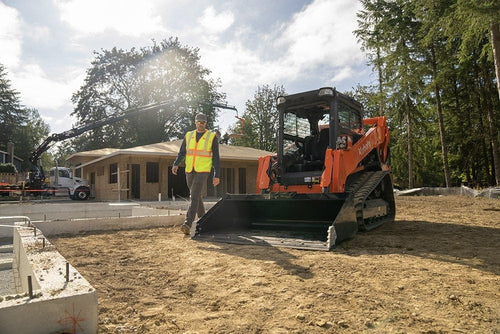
123,79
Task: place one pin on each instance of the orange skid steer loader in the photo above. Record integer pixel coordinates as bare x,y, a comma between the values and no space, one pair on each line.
329,179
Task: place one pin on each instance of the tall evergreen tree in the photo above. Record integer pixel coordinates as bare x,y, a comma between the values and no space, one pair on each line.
436,57
391,33
473,22
11,112
436,83
23,126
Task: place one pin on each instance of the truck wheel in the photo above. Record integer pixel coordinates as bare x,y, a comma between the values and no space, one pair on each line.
81,194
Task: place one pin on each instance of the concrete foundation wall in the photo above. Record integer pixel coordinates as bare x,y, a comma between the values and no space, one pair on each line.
75,226
22,266
69,210
59,305
59,302
7,225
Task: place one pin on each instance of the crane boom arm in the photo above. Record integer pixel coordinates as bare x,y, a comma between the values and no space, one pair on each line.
55,137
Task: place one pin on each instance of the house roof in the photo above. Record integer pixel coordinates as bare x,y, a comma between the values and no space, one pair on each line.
171,148
94,153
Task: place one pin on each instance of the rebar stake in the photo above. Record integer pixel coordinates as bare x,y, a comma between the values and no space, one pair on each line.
34,230
30,287
43,243
67,272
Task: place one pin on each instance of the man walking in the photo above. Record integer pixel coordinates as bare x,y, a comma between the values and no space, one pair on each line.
200,150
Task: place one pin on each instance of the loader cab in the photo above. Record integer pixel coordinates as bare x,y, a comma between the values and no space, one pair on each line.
309,124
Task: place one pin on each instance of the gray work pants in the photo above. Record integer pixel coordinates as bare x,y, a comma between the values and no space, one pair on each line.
197,182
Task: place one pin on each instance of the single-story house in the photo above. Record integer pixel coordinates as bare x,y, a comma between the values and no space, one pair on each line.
145,172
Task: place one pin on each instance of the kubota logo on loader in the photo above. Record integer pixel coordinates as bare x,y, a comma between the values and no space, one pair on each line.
363,149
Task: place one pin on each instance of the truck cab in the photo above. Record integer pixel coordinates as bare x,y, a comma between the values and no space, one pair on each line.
61,178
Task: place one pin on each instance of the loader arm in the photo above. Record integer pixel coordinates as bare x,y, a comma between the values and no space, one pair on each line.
339,164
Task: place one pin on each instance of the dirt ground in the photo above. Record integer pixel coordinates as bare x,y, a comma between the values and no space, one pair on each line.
436,269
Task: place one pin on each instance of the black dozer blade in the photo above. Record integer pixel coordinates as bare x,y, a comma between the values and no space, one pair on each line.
303,221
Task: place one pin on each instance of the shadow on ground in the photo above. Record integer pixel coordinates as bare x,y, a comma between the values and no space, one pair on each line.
468,245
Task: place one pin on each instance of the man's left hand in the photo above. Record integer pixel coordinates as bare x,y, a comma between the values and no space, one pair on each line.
216,181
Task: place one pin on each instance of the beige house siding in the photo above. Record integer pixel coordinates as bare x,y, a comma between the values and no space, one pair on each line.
234,160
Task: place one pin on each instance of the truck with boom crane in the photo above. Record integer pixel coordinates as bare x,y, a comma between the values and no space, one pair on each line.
329,179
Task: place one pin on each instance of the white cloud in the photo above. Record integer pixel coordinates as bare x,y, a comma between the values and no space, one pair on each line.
128,17
59,120
39,91
213,23
343,73
10,36
39,33
322,34
51,96
317,42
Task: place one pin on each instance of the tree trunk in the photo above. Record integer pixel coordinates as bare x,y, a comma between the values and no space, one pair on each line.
444,150
410,144
380,85
495,43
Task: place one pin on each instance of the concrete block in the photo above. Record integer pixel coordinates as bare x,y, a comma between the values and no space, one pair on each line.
75,226
62,300
67,210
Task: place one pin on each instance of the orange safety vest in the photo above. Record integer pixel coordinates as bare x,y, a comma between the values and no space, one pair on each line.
199,153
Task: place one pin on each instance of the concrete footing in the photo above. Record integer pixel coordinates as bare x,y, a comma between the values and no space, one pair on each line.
51,296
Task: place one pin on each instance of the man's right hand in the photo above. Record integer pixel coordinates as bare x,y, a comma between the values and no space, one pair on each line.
174,169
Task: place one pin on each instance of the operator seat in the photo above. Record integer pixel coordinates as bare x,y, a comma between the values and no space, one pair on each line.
322,144
315,149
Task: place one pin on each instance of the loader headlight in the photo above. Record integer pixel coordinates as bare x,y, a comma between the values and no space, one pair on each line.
280,100
325,91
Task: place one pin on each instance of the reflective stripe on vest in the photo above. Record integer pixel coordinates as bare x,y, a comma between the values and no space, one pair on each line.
199,154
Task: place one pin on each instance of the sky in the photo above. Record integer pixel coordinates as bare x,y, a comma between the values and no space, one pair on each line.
46,46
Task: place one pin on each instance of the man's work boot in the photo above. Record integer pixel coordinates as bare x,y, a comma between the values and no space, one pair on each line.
186,229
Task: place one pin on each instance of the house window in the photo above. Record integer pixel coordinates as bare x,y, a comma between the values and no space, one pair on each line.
78,171
113,173
152,172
